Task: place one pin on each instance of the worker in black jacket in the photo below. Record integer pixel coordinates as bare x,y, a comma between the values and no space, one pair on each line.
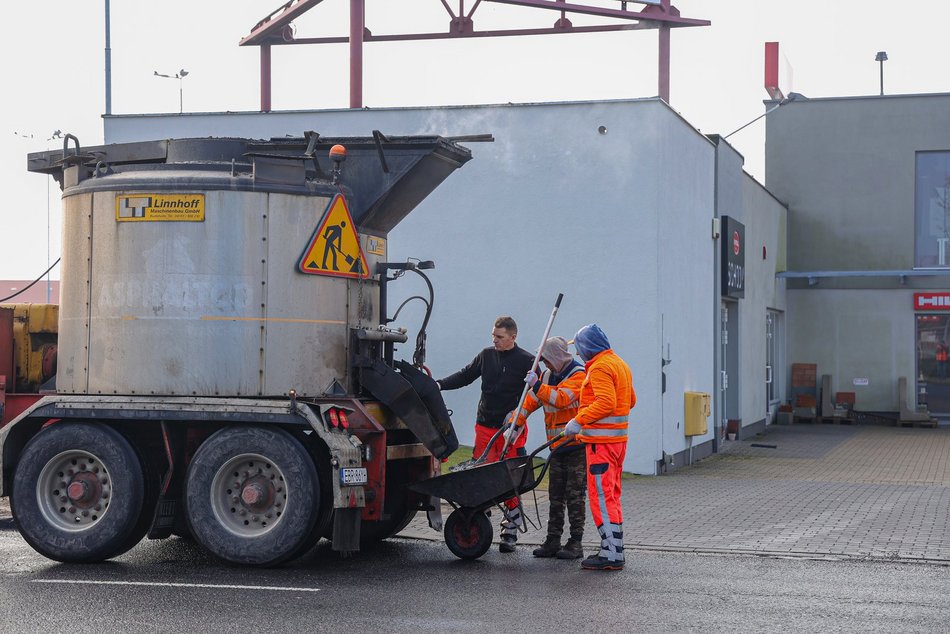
502,368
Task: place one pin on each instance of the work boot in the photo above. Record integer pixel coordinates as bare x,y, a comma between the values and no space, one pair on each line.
572,549
513,521
549,548
599,562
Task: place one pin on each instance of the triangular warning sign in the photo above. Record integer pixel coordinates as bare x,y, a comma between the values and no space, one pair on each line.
334,248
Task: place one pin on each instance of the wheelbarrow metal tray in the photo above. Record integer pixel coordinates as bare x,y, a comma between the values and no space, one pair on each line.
482,486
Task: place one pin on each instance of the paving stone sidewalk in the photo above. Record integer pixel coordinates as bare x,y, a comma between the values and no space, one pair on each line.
865,492
868,492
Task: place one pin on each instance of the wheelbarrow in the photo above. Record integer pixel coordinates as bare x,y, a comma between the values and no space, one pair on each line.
472,491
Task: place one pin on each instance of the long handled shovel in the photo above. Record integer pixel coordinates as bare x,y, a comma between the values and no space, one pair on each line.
534,367
468,464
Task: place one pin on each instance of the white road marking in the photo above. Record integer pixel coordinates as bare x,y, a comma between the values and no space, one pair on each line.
173,585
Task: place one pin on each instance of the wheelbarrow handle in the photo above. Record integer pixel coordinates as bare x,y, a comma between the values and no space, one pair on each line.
534,453
547,463
479,460
546,445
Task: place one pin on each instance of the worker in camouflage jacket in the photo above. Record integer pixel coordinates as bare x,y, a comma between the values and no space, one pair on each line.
557,392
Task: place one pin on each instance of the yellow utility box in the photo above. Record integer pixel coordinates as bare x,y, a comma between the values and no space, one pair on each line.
695,412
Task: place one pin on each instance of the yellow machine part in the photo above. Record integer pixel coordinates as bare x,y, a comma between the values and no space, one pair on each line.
695,412
35,328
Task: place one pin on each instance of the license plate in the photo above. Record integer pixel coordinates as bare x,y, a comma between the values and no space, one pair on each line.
353,475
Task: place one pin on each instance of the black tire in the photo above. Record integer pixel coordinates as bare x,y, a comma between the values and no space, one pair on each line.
252,495
78,491
468,539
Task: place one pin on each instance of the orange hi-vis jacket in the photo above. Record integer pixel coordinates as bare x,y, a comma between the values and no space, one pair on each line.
559,401
607,396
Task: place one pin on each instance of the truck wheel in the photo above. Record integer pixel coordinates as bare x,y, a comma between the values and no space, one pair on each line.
78,492
468,539
252,495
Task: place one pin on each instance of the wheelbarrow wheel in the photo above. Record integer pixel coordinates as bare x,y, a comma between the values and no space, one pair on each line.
468,538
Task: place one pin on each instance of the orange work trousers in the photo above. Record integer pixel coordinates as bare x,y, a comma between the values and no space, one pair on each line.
604,477
483,434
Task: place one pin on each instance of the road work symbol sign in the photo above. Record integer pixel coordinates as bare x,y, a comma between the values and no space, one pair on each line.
160,208
334,248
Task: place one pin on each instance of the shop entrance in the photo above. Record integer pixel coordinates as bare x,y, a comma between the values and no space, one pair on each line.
933,367
729,376
773,347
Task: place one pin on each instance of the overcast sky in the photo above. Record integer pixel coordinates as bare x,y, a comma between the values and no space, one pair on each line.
54,71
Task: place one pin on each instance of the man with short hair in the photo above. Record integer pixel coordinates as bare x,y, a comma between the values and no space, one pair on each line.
502,368
606,398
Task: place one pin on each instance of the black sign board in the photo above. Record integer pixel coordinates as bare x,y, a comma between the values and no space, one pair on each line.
733,257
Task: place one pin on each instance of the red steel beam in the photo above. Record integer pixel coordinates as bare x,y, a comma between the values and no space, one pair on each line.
663,63
659,14
265,77
357,24
650,13
270,27
369,37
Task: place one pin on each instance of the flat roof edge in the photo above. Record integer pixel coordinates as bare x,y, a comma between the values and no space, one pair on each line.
386,108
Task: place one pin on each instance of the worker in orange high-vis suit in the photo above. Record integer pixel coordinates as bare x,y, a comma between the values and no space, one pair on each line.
557,392
606,398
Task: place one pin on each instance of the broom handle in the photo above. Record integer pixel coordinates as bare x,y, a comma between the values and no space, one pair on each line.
534,366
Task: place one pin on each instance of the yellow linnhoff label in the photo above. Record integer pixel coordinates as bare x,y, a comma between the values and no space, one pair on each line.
160,208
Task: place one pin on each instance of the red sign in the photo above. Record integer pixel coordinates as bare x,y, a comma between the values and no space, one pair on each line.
736,243
931,301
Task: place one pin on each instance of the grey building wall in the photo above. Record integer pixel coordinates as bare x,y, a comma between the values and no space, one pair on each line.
608,202
741,197
846,169
765,222
855,334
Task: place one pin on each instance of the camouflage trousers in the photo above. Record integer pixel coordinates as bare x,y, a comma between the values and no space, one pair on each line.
567,488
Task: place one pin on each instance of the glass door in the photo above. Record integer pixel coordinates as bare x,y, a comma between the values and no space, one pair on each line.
771,344
933,375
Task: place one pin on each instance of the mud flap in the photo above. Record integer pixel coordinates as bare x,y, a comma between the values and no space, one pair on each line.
435,515
346,530
397,392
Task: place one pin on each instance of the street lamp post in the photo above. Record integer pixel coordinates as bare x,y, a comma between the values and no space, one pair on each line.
881,57
179,76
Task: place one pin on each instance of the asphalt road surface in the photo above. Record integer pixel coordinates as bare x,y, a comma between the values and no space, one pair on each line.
416,586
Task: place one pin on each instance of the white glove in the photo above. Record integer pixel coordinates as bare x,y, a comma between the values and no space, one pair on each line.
531,378
511,434
572,428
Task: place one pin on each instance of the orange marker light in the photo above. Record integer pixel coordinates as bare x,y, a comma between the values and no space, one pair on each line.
337,153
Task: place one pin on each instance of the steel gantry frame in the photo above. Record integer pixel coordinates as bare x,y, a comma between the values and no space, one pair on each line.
276,30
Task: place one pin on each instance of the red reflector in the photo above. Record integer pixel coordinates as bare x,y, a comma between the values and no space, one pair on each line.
334,420
344,421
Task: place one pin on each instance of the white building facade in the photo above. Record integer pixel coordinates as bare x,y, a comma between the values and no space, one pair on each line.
620,206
